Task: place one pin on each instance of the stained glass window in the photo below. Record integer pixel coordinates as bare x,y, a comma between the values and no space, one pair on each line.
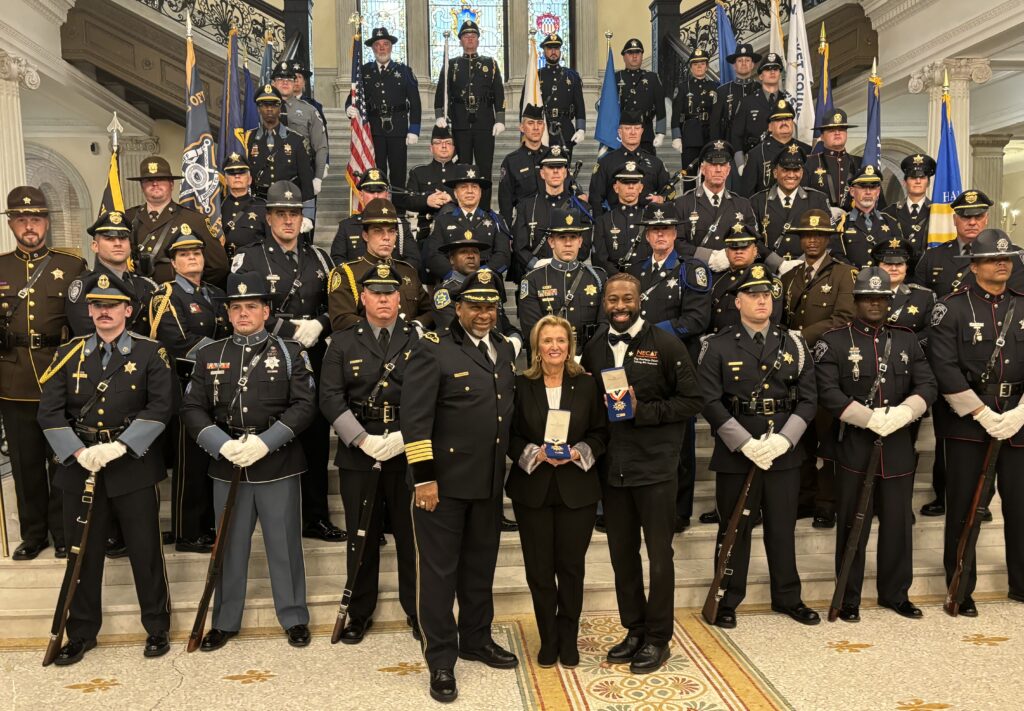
389,14
450,14
547,16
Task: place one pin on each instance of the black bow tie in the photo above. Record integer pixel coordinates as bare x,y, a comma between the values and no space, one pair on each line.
616,338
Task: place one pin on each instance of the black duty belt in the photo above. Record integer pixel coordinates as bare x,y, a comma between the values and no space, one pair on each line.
763,406
93,435
34,341
1001,390
239,431
384,413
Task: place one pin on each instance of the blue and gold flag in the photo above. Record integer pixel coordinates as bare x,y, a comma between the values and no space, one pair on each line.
232,130
200,185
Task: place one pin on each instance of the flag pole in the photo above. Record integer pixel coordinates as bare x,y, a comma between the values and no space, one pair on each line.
114,128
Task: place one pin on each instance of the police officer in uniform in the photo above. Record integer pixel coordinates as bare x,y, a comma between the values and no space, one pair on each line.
32,325
914,211
301,118
275,151
360,395
655,177
692,101
741,249
476,104
157,222
982,382
618,235
250,396
186,315
520,170
750,124
831,170
874,379
463,401
348,242
297,274
561,89
393,104
758,173
426,191
757,380
244,215
911,305
731,94
865,225
104,396
641,93
380,224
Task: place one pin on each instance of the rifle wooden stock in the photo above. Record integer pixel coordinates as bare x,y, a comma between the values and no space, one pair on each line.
70,585
740,516
856,528
967,544
365,515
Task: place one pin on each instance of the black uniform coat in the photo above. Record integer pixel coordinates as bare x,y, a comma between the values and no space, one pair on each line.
941,271
750,125
588,424
520,179
77,307
452,225
911,308
244,219
640,92
349,244
444,306
619,239
550,290
830,172
184,316
392,99
857,240
675,297
561,89
724,312
529,239
692,102
600,191
287,159
645,450
147,232
757,175
727,102
423,181
908,379
914,228
774,219
472,81
706,226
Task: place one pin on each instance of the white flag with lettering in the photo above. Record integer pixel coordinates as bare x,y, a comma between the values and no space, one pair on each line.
799,75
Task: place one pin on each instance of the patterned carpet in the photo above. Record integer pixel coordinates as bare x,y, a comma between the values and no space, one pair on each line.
768,662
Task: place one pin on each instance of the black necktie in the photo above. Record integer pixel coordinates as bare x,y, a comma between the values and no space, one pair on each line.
104,354
715,199
153,214
482,345
787,202
771,99
383,338
616,338
967,250
292,258
759,339
914,210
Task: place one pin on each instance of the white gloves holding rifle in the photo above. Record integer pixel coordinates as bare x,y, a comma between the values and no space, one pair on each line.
991,421
98,456
244,453
763,452
383,447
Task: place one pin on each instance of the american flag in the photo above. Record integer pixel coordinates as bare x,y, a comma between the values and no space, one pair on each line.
361,157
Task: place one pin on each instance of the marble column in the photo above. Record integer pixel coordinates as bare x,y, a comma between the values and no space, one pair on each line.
133,149
962,71
585,34
987,165
343,9
15,73
517,39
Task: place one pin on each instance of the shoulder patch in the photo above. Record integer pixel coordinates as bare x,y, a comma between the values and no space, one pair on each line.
442,299
432,337
305,359
776,288
820,349
705,343
162,352
236,262
334,282
74,291
524,289
938,313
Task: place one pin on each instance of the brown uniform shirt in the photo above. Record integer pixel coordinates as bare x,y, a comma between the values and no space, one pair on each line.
343,303
821,304
146,233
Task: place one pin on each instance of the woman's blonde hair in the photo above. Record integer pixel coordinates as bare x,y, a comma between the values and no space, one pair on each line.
535,370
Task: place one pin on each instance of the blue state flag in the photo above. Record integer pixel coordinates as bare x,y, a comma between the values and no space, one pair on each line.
606,131
201,182
267,64
823,107
232,130
250,114
873,143
726,45
947,186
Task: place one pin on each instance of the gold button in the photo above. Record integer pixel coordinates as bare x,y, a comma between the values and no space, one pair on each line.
133,387
100,411
467,388
451,450
499,418
31,303
99,424
499,397
31,317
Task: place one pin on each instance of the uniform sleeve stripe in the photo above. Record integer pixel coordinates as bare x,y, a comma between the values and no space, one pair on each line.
419,451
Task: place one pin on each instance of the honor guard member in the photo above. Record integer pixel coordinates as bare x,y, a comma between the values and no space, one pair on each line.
758,384
302,89
426,191
476,103
709,211
976,350
758,173
250,396
731,94
561,89
641,93
106,400
874,379
911,305
562,285
520,170
468,218
741,249
348,242
778,207
393,104
184,316
297,274
831,170
244,215
275,151
158,221
360,395
462,402
34,281
300,117
618,235
529,245
639,469
692,102
914,211
750,124
380,224
655,177
865,225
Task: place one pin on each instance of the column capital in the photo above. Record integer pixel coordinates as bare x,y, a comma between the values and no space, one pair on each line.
990,143
960,69
17,69
145,145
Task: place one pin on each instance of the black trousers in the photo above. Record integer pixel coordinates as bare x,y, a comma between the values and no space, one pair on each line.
963,467
391,487
191,489
891,500
687,474
555,539
138,513
476,146
939,469
39,502
776,497
628,511
456,553
316,445
817,486
391,155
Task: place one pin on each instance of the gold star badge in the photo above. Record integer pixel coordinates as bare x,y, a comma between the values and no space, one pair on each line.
129,367
234,156
27,200
787,357
590,290
912,309
57,274
252,215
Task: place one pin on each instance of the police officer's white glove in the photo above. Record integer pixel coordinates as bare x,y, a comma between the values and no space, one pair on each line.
775,445
741,161
788,264
393,445
351,112
498,128
541,263
837,213
718,261
374,447
307,225
898,418
1011,423
318,185
677,143
230,450
251,451
87,458
411,139
990,419
441,122
659,138
307,332
107,452
577,138
877,420
752,449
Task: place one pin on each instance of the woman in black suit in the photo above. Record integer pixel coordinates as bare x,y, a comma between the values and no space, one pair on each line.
555,500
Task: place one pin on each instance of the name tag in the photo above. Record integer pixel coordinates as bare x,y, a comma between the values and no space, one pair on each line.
463,374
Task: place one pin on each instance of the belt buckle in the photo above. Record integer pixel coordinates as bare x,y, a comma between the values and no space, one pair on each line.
554,113
768,405
388,413
1005,390
104,436
35,341
101,387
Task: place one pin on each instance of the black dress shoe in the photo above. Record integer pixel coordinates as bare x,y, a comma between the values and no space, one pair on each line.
986,516
442,686
625,650
325,531
824,520
725,618
934,508
415,625
546,657
215,639
799,612
157,645
355,630
1017,597
73,651
968,608
709,517
906,609
757,519
29,550
681,524
60,551
508,525
298,635
849,613
116,548
569,655
167,537
650,658
202,544
491,654
599,525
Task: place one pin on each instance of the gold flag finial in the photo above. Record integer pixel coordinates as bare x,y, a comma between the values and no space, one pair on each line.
822,42
188,24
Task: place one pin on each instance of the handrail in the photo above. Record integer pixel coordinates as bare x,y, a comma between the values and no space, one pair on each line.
254,20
